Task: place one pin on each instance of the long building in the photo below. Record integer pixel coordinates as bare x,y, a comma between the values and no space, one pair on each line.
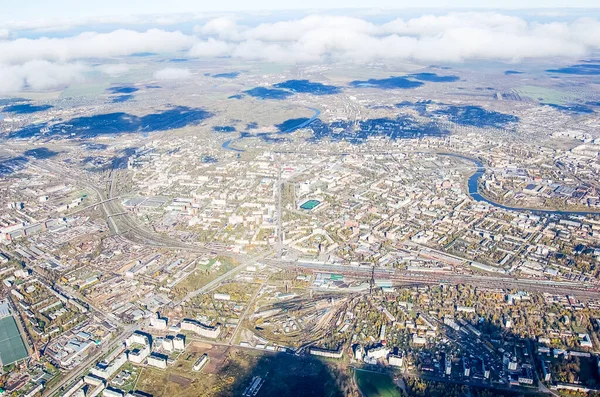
327,353
201,329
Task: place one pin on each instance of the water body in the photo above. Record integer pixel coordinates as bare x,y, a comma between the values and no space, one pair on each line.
579,109
292,125
224,128
434,78
389,83
476,116
227,145
40,153
586,69
117,123
308,87
269,93
9,101
26,108
237,96
230,75
402,127
511,72
122,90
419,106
286,127
473,186
121,98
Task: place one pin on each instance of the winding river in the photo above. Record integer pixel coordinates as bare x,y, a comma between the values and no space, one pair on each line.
473,186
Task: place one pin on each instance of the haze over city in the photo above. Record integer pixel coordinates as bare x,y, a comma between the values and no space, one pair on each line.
299,199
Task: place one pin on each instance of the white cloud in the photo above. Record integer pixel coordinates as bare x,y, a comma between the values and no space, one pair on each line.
58,24
224,28
93,45
172,74
53,62
40,75
210,48
454,37
114,69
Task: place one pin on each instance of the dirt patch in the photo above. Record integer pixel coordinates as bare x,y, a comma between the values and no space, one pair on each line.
180,380
199,347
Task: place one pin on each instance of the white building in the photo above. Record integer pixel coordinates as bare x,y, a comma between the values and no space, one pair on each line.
167,344
418,340
201,362
395,360
359,352
138,356
200,329
157,361
327,353
378,352
179,342
106,371
137,338
222,297
112,393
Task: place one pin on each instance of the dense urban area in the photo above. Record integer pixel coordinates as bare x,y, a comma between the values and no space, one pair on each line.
332,230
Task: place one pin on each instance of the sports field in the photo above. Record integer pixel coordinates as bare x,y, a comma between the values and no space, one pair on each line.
12,347
372,384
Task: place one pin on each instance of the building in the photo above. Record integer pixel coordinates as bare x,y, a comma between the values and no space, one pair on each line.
585,341
158,323
138,338
222,297
327,353
396,360
201,362
466,368
418,340
201,329
382,333
167,344
179,342
138,356
105,371
110,392
448,365
157,361
378,352
93,380
359,352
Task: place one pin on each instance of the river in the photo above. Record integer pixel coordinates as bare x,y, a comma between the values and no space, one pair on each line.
473,186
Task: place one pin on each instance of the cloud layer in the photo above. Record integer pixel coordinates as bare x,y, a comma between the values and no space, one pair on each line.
52,62
173,74
455,37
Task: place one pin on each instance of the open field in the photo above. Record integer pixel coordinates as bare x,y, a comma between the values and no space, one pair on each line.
372,384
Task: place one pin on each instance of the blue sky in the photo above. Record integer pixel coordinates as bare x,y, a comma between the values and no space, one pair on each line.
85,8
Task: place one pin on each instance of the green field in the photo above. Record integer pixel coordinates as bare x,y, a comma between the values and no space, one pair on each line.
545,95
310,204
372,384
12,347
